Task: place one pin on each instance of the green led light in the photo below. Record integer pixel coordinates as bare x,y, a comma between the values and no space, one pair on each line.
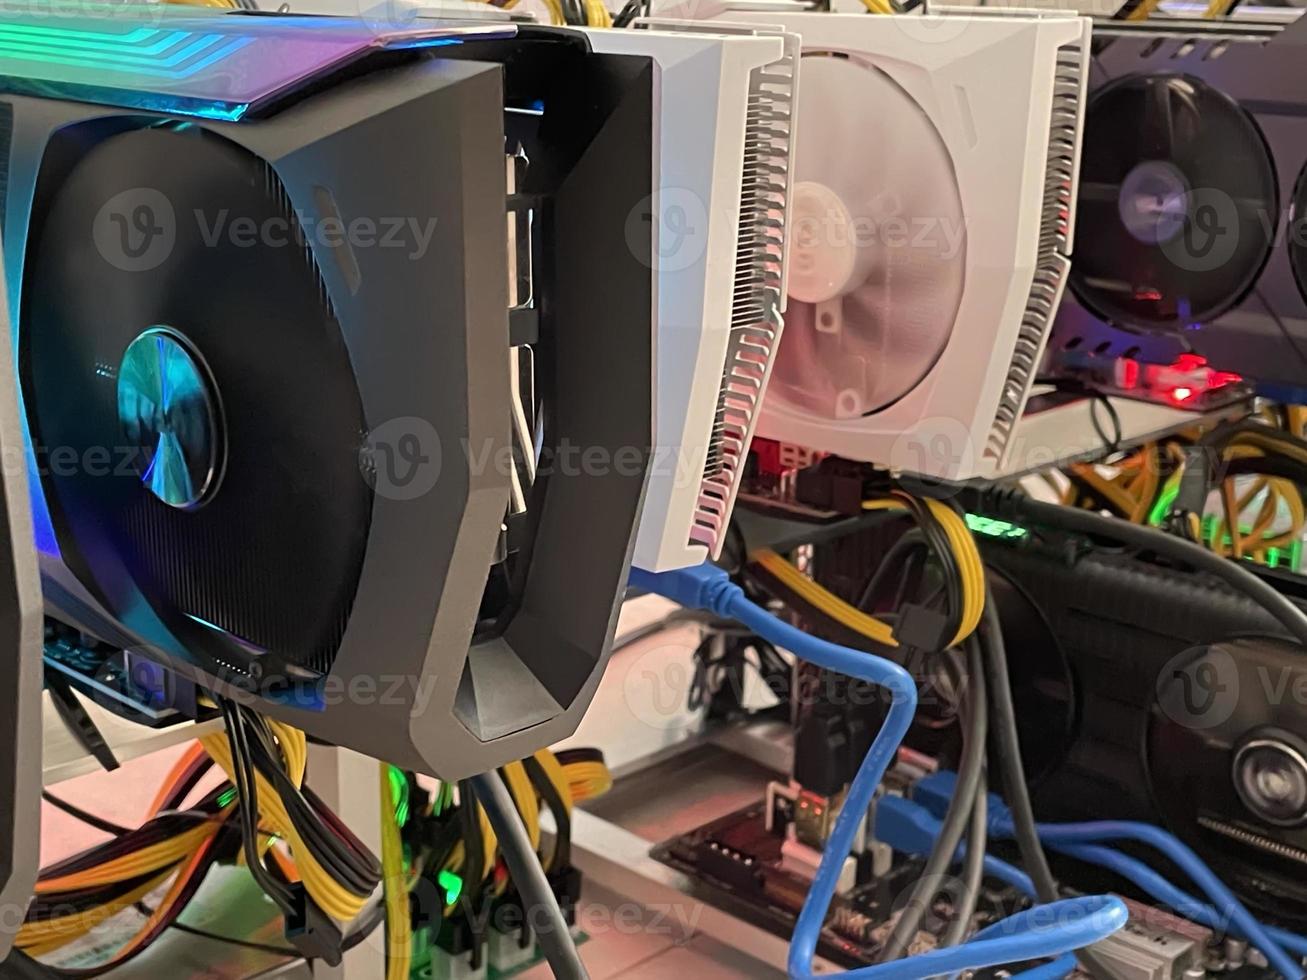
227,797
399,794
992,528
452,884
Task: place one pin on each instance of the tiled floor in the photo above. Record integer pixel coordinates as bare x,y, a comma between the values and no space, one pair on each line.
650,947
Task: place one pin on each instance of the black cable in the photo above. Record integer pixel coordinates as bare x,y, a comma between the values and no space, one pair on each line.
233,941
960,810
1015,789
1145,538
342,862
528,876
90,819
973,868
562,856
247,791
901,550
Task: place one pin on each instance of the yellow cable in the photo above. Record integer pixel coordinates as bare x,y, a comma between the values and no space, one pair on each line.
333,898
1144,10
524,796
830,604
39,938
970,565
1105,488
399,925
554,770
158,856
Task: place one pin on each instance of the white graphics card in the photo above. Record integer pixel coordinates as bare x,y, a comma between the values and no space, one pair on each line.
719,216
930,230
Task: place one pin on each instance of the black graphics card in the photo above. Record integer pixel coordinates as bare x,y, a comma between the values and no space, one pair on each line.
1143,691
1191,237
310,319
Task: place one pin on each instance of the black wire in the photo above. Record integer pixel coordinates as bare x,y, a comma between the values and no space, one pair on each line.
247,790
342,862
1145,538
973,869
553,935
960,810
562,856
1015,789
901,550
90,819
233,941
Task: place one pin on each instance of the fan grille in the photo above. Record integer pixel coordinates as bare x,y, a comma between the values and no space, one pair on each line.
1052,268
759,289
264,569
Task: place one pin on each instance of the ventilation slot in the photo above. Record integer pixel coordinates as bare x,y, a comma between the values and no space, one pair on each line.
759,292
1054,246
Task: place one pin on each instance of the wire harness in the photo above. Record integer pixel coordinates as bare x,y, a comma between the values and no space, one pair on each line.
1078,922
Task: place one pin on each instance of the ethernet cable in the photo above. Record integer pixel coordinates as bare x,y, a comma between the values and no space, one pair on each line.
1169,895
1079,922
934,789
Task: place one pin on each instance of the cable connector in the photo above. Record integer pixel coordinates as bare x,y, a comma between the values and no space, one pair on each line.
907,827
935,792
704,586
311,931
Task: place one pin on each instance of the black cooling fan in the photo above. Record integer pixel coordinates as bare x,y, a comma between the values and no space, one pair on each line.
1178,203
211,368
281,398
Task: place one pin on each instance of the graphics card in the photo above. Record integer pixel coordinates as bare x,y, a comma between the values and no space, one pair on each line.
930,225
20,695
725,131
1190,239
1143,691
304,387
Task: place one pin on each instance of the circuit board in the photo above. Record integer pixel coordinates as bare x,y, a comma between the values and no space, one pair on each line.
737,864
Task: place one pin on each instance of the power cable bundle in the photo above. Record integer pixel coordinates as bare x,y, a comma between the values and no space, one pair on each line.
1170,483
324,873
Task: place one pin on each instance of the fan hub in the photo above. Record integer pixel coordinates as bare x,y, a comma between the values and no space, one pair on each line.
170,415
824,259
1154,201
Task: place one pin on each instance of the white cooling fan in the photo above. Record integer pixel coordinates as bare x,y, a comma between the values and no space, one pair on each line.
876,265
931,223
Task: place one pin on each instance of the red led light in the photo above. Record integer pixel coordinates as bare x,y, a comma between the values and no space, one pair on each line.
1182,393
1129,373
